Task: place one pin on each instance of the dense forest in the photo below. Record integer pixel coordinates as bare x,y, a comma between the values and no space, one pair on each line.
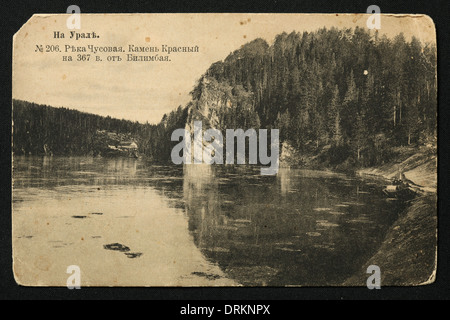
41,129
350,92
340,95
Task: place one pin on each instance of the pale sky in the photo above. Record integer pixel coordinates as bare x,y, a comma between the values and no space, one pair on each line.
144,91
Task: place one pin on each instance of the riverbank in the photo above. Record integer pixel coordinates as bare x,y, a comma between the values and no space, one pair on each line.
419,166
408,254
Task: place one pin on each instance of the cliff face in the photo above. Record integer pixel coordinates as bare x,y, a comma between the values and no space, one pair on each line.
221,100
211,100
221,106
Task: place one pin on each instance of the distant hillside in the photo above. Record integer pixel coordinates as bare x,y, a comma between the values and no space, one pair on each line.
41,129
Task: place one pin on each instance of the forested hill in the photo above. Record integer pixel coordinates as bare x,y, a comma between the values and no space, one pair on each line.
342,97
40,129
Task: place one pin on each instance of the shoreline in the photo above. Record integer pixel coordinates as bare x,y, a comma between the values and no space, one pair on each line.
408,253
419,169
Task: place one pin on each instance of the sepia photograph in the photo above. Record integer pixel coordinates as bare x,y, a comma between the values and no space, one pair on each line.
224,150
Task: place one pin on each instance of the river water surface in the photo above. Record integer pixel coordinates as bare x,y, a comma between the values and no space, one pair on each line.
127,222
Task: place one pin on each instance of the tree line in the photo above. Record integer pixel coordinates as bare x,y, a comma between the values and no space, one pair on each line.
41,129
349,91
344,95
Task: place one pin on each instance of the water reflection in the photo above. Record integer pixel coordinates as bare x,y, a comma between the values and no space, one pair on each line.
300,227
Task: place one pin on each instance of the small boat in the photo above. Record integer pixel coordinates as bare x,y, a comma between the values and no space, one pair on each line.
398,189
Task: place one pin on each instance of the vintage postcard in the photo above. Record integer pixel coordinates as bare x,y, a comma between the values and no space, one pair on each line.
195,150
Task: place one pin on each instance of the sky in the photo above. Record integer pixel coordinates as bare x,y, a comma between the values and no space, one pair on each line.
145,91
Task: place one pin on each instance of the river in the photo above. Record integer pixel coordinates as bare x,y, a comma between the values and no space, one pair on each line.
128,222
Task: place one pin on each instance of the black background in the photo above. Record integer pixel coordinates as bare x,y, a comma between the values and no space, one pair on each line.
15,14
